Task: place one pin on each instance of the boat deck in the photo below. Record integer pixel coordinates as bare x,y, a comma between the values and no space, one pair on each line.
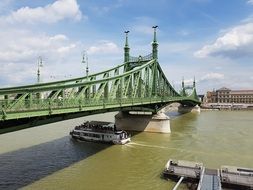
97,126
231,175
183,168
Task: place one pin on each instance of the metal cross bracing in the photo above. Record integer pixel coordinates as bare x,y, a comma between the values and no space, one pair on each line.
137,84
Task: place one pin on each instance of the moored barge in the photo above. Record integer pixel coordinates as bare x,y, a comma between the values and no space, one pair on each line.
200,178
236,177
183,171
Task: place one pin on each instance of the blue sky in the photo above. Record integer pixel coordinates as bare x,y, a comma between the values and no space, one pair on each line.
209,39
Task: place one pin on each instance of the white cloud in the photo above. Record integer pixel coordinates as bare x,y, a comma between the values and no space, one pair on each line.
104,47
188,81
13,74
250,2
66,49
212,76
236,42
58,37
19,50
51,13
24,46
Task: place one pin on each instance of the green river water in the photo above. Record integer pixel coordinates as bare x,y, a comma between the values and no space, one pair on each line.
47,158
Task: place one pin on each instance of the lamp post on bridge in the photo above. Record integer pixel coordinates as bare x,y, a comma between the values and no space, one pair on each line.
85,60
38,71
38,95
183,88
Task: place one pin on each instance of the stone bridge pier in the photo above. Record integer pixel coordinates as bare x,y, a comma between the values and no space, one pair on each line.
140,121
187,109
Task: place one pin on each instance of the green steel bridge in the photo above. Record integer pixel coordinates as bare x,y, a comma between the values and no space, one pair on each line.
138,84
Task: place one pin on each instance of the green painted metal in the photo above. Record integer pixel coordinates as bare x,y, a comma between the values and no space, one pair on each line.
137,84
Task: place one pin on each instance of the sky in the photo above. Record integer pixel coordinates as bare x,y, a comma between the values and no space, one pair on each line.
211,40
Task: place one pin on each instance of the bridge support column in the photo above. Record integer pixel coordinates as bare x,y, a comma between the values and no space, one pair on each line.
157,123
187,109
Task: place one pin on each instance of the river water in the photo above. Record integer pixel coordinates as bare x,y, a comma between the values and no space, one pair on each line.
46,157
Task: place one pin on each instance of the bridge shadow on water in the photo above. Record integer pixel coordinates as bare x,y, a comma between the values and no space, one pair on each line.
22,167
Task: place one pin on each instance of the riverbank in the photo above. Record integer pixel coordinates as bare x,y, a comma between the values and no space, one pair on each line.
226,106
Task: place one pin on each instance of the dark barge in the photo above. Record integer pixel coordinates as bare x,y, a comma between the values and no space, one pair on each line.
201,178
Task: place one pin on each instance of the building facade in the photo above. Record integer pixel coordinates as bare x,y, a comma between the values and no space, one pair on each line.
211,97
226,95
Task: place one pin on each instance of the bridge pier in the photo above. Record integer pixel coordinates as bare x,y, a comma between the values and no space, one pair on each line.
187,109
157,123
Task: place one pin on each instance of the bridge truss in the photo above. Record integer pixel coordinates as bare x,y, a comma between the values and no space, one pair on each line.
138,84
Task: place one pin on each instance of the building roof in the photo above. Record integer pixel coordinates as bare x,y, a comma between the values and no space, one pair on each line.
243,92
223,89
211,92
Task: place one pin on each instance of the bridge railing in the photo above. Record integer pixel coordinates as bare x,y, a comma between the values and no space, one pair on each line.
47,104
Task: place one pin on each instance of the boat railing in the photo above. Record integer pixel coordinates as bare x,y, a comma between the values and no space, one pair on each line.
95,130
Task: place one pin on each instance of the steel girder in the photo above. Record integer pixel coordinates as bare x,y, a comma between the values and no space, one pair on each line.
143,84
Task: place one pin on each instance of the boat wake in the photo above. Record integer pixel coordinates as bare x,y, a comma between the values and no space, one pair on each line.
132,144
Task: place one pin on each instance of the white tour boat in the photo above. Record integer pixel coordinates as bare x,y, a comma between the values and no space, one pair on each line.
98,131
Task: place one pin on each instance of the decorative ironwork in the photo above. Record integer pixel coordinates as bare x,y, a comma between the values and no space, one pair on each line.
138,84
141,58
112,89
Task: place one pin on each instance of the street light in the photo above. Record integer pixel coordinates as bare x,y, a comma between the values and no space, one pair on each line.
85,60
39,65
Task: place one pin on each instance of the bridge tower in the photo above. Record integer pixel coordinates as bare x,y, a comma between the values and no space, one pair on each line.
126,53
155,56
139,121
183,93
155,44
126,49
